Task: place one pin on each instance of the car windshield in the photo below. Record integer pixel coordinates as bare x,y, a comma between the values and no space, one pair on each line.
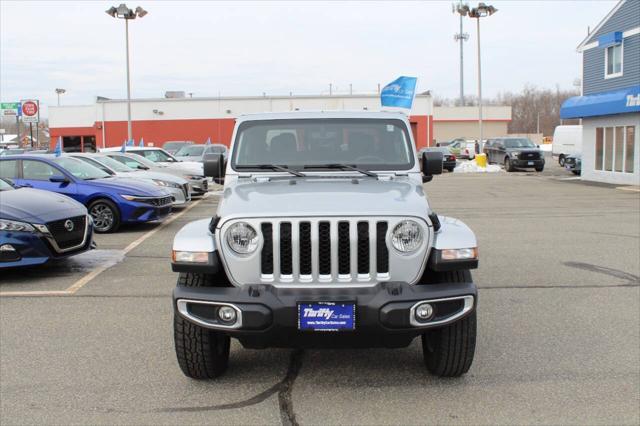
442,149
155,155
216,149
113,164
80,169
190,151
12,152
518,143
174,145
5,186
374,144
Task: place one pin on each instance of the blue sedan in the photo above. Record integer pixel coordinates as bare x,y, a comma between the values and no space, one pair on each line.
110,201
37,226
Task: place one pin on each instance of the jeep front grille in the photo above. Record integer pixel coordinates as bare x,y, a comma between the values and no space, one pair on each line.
323,251
339,250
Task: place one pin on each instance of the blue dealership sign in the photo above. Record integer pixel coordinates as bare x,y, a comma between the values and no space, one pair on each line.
605,103
399,93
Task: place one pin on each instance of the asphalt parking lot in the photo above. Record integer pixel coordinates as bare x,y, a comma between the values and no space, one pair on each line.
89,341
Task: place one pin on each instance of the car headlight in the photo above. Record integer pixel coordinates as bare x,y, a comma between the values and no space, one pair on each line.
515,154
406,236
15,226
242,238
165,183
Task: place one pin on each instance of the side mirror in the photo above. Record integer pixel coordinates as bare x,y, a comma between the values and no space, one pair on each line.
58,179
141,167
431,164
213,165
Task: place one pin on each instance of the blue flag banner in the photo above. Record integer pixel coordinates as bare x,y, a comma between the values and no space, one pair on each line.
208,142
399,93
58,150
141,145
131,143
124,147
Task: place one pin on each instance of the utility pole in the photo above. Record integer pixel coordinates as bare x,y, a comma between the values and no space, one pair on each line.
460,37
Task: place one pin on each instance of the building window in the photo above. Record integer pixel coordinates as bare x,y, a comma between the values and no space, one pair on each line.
615,149
613,61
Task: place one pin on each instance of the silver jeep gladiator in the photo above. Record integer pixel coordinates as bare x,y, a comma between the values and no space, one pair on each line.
324,238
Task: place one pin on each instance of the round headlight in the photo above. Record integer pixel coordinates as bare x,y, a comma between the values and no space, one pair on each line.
242,238
406,236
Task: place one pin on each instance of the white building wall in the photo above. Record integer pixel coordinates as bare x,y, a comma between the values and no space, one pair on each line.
589,172
212,108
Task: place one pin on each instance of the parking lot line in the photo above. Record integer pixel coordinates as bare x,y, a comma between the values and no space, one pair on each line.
93,274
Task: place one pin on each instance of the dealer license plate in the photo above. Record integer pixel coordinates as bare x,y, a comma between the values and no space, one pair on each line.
530,163
327,316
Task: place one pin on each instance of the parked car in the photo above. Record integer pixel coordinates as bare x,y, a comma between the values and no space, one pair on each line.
567,140
174,146
573,163
197,152
12,151
514,152
110,201
38,226
162,157
177,186
448,158
463,148
327,240
198,184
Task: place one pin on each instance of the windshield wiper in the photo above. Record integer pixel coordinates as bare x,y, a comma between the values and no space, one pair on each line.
271,167
341,167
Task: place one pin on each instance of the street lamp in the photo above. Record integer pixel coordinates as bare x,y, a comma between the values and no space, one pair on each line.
60,92
123,12
460,37
481,11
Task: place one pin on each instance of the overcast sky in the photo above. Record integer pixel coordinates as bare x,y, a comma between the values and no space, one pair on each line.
247,48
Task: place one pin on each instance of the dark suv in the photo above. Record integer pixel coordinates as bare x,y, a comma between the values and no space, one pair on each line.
514,153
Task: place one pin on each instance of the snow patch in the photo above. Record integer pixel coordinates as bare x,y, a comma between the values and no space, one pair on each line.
472,167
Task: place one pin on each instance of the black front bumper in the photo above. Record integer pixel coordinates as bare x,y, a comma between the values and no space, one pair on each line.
383,313
527,163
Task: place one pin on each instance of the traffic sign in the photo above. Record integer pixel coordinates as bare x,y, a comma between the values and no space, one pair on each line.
9,109
30,111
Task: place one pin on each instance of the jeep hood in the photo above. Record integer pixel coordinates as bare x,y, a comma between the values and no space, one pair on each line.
323,197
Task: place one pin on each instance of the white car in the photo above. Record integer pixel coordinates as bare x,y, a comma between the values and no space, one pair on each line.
567,141
161,157
198,184
177,186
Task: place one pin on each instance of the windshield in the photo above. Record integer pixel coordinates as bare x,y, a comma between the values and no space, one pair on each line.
366,143
113,164
155,155
175,145
518,143
442,149
4,185
80,169
217,149
190,151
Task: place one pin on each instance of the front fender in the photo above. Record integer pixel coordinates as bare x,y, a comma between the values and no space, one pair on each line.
453,234
195,237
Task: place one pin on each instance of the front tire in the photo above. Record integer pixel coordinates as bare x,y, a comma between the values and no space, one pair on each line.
449,351
202,353
539,169
105,215
561,160
507,165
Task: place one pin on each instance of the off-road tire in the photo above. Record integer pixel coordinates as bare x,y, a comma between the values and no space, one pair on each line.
449,351
507,165
561,160
202,353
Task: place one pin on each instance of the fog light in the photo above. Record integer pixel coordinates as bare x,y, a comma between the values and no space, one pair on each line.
227,314
424,311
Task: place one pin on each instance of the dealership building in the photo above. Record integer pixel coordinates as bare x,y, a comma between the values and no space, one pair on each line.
610,102
104,124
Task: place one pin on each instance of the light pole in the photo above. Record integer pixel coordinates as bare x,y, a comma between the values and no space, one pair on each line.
460,37
60,92
123,12
478,12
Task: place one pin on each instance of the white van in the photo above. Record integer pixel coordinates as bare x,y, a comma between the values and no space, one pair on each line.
567,140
